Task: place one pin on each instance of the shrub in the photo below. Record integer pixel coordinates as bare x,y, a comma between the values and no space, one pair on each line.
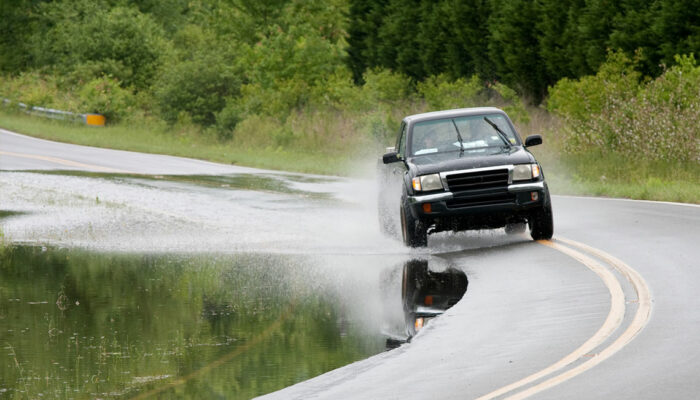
383,85
105,96
511,103
580,98
30,88
198,87
338,92
615,112
441,93
88,39
36,89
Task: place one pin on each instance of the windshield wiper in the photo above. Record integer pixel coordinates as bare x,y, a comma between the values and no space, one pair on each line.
501,134
459,137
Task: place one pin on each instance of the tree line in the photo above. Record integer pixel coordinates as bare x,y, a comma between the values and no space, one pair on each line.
529,45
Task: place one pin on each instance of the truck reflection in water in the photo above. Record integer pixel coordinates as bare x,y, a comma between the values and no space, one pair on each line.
426,294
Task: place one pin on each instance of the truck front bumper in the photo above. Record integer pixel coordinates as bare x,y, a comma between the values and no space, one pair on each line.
479,209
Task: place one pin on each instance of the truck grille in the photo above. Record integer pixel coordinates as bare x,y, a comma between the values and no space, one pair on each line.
481,200
495,178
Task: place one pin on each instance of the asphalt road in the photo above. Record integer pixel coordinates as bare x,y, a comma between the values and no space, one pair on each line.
618,319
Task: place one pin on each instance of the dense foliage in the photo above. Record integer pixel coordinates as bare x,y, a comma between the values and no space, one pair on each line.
526,44
616,112
273,73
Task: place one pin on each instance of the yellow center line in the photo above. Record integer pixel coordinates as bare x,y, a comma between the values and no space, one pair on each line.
62,161
640,320
612,322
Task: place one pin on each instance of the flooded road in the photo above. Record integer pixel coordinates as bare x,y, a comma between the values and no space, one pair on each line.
118,285
79,324
236,212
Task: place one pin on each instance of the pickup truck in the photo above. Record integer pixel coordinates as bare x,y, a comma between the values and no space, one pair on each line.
463,169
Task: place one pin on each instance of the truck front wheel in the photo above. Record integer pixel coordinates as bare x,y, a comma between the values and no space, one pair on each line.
414,232
541,222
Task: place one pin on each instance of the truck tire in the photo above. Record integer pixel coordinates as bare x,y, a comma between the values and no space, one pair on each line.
414,232
541,222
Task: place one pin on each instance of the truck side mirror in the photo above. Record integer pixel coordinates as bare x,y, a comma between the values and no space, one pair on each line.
533,140
391,157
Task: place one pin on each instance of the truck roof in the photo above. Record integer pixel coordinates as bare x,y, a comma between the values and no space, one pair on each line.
458,112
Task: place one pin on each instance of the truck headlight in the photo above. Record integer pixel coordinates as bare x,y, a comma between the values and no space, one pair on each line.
522,172
427,183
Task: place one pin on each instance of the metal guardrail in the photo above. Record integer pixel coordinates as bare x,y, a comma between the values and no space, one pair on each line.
88,119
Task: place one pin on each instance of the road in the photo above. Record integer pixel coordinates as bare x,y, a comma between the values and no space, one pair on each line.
608,309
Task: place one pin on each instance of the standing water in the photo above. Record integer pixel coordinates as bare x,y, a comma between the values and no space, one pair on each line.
116,286
77,324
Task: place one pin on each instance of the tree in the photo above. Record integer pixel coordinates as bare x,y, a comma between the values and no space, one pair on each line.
365,18
16,27
632,31
88,40
466,47
594,27
556,31
513,47
677,24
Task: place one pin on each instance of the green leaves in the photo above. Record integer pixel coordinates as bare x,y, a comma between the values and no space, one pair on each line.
89,37
105,96
440,93
615,111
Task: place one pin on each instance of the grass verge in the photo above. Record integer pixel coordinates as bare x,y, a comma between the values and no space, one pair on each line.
184,141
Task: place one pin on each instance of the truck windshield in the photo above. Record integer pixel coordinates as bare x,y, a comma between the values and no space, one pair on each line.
442,135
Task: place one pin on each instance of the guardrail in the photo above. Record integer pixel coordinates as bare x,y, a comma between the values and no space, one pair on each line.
88,119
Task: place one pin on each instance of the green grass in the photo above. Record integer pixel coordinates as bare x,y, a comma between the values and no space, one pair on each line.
606,175
158,138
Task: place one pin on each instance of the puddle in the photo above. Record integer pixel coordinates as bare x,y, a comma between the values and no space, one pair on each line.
83,324
162,214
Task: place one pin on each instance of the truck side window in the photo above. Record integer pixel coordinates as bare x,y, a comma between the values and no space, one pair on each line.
401,147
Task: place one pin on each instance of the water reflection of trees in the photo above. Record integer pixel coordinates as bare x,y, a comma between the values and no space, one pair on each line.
128,323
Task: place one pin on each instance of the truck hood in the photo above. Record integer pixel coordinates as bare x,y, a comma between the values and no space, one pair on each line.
454,161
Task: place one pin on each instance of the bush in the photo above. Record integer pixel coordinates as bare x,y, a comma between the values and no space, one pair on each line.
578,99
30,88
105,96
88,39
197,87
338,91
441,93
383,85
614,112
511,103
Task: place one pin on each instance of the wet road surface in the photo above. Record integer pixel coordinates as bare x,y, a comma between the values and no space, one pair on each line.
528,305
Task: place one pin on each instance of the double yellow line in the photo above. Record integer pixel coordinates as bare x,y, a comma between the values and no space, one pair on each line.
561,370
